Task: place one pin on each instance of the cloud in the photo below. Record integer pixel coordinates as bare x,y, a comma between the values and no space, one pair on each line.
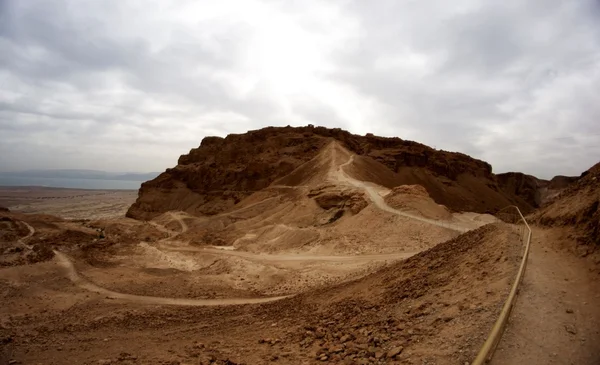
131,85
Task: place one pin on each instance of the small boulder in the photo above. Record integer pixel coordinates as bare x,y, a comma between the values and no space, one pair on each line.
394,351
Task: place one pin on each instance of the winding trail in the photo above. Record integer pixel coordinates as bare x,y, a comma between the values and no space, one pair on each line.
381,204
31,233
172,234
83,283
178,218
67,265
336,172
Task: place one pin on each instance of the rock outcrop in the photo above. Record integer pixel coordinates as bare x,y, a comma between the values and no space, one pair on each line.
328,197
527,187
222,171
415,199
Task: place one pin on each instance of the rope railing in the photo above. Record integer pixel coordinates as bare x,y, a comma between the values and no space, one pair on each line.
516,219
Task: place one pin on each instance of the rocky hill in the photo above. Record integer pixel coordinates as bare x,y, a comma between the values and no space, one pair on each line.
578,205
221,172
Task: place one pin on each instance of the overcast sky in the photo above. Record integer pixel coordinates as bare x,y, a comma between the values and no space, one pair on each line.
125,85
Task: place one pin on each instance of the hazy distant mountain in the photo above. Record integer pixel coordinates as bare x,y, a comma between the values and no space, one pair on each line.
82,174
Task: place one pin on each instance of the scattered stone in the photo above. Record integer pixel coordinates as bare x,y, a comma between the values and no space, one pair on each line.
394,351
124,356
345,338
324,357
336,349
571,329
569,310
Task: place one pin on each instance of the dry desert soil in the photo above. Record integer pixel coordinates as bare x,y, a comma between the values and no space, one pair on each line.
323,265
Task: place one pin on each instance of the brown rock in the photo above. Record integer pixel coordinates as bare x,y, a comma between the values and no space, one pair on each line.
394,351
222,171
336,349
345,338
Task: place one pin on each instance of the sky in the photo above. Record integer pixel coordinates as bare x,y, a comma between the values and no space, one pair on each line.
130,85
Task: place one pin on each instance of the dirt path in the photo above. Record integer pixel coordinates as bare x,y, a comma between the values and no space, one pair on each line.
81,282
21,241
72,274
380,202
171,234
556,319
178,218
276,258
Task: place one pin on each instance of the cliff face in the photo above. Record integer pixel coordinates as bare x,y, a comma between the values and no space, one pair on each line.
527,187
222,171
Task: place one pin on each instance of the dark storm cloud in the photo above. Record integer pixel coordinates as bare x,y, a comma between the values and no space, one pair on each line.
127,85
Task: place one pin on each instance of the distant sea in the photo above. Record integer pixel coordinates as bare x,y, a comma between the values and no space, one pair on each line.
70,183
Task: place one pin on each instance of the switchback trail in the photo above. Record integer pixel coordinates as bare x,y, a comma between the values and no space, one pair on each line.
72,274
381,204
31,232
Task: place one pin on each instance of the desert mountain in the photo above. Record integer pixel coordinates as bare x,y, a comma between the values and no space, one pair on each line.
221,172
342,248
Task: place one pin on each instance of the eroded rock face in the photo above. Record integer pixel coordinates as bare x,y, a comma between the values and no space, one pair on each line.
415,199
527,187
329,197
221,172
415,190
577,205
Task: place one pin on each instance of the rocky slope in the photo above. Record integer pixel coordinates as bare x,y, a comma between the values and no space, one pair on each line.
223,171
579,206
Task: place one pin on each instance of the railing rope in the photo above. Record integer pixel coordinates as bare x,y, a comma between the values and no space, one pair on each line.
489,346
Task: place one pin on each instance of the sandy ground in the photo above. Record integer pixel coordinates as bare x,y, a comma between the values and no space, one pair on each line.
395,315
278,279
68,203
556,319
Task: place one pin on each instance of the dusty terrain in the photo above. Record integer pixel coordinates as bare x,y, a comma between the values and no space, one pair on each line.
557,317
326,260
68,203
